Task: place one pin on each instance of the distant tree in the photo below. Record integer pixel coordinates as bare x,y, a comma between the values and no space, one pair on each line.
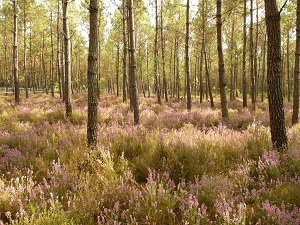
222,82
124,14
92,75
277,121
132,64
296,69
15,54
67,58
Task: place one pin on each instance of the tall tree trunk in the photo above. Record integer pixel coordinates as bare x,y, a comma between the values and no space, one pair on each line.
132,68
177,69
187,58
277,121
58,65
296,69
52,57
67,59
156,75
163,53
92,76
148,79
263,70
245,105
25,50
288,66
117,69
124,52
232,62
222,82
252,76
15,55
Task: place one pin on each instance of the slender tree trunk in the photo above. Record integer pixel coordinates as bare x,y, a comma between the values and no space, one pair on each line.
253,94
132,68
187,58
124,52
277,120
288,66
222,82
25,50
58,65
244,56
231,62
177,70
67,59
263,70
256,67
156,75
117,69
63,72
15,55
163,53
296,69
148,79
92,76
52,57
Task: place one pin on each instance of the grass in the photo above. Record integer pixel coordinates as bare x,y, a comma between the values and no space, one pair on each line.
176,167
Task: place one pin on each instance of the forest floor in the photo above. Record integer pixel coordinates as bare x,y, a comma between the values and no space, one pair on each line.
176,167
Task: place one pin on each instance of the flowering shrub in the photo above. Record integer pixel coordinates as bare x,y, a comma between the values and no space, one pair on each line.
176,167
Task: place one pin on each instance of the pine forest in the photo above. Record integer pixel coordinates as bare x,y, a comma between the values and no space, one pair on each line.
158,112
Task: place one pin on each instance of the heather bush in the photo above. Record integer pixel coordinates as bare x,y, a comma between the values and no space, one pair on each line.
176,167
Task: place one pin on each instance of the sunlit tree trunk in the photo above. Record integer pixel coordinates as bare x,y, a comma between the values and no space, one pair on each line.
252,76
132,66
263,69
156,75
232,62
187,57
244,56
117,69
296,69
25,50
163,53
288,66
277,120
222,83
92,76
124,52
15,55
58,65
52,57
67,59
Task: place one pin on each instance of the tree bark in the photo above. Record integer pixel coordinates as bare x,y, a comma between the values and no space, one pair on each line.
124,52
52,57
163,53
245,105
117,69
252,76
15,55
156,75
58,67
67,59
288,66
187,57
92,76
277,120
25,50
296,69
132,61
222,82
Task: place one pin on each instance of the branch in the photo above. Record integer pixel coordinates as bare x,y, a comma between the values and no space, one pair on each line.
283,7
